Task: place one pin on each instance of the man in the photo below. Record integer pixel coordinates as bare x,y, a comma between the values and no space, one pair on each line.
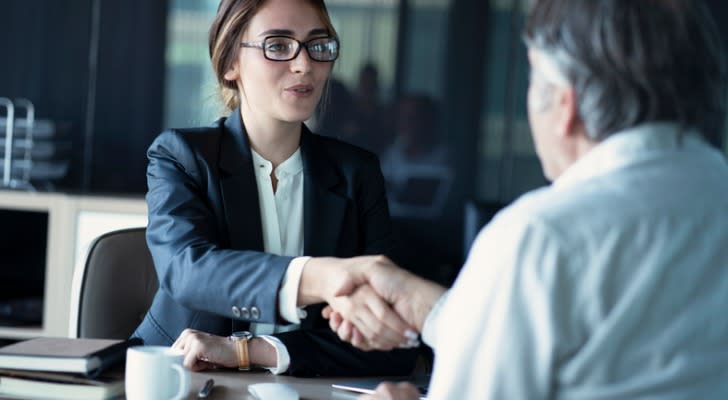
612,283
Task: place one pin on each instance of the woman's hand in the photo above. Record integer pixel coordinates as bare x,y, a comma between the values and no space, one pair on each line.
206,351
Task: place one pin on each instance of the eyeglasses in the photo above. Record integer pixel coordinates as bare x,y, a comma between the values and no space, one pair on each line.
286,48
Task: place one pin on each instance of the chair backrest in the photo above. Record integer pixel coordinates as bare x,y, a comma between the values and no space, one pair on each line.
477,215
114,287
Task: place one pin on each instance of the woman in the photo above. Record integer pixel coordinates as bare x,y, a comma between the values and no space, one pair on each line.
232,207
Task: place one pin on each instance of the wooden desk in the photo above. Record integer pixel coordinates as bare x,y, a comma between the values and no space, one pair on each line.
234,385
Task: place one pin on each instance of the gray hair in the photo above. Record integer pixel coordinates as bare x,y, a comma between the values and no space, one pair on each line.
634,61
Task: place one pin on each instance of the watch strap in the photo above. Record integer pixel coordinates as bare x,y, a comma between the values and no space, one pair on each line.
241,348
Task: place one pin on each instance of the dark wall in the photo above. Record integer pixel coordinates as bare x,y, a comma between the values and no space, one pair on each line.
109,101
719,10
129,95
45,59
433,247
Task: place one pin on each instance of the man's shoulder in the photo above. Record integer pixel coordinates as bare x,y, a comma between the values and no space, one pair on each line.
551,204
569,215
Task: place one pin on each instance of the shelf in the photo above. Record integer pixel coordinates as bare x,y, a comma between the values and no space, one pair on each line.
73,222
11,332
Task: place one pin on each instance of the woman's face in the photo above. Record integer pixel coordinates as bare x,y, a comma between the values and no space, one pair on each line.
287,91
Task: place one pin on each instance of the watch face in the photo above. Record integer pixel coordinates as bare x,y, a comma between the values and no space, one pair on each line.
241,335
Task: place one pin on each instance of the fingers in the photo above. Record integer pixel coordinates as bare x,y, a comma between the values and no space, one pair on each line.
190,360
357,340
392,391
186,335
204,351
370,304
345,331
401,390
377,325
335,321
395,329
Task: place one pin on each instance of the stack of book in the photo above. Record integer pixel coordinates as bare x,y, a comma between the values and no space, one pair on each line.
63,368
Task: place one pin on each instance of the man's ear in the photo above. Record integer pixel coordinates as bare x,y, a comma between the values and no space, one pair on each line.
568,118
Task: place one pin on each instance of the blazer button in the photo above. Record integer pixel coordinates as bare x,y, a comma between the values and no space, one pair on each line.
254,312
244,313
236,312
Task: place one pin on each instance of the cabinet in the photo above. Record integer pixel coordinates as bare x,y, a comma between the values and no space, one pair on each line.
71,224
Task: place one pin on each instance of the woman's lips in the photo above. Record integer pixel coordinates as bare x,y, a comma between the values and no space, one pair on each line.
300,90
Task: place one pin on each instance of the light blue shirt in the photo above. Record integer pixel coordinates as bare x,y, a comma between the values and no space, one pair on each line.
612,283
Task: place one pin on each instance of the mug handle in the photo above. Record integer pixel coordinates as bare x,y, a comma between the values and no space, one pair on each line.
184,378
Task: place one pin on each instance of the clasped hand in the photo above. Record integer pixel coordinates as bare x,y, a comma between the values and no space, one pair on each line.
371,308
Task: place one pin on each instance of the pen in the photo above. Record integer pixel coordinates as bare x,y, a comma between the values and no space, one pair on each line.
206,389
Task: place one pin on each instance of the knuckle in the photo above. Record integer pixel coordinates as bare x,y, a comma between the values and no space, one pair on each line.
380,330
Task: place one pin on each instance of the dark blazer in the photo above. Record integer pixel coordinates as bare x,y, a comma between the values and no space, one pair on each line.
205,236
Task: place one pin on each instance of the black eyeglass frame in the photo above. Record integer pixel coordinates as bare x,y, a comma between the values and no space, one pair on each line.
304,44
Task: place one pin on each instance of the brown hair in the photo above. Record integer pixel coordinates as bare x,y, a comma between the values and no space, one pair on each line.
232,19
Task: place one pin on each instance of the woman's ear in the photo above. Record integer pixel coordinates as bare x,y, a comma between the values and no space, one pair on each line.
232,74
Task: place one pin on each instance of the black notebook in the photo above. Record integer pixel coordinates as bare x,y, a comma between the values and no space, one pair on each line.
61,386
81,356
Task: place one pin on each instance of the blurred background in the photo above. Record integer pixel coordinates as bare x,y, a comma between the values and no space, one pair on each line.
435,87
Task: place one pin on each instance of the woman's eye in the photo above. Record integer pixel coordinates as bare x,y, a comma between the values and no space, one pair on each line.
324,45
276,47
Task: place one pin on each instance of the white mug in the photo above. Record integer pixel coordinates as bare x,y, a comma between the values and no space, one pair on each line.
155,373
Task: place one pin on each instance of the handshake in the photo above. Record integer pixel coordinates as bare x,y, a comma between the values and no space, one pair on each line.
372,303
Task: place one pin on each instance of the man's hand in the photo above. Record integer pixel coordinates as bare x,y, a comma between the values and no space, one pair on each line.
393,391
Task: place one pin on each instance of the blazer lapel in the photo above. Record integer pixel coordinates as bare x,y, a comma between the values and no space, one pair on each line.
238,187
323,207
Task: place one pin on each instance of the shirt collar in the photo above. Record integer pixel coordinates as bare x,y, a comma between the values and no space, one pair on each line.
291,166
626,147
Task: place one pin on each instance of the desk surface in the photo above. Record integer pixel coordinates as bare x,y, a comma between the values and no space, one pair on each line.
234,385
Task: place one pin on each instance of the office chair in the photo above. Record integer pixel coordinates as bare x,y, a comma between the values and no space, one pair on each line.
114,287
477,215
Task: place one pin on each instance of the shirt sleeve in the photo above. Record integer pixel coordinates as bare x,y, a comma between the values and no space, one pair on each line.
429,329
288,294
283,359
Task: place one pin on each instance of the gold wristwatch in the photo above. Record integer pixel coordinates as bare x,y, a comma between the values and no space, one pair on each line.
241,339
